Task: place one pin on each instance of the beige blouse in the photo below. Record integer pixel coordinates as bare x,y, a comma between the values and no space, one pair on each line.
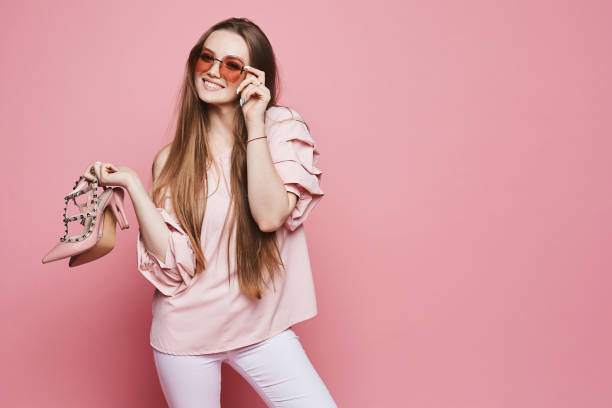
203,313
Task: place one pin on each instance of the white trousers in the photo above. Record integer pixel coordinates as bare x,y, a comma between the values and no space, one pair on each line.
277,368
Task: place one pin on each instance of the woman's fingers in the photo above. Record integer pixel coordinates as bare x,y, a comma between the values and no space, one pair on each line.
104,173
100,171
96,170
87,173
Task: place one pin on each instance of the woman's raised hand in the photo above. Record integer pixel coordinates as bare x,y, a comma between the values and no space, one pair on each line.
109,175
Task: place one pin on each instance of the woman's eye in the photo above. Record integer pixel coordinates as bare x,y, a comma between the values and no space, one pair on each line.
234,66
206,57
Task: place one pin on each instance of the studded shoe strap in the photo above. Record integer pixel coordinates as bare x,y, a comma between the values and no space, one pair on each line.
83,207
93,191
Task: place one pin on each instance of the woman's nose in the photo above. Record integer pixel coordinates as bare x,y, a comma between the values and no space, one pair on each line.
215,68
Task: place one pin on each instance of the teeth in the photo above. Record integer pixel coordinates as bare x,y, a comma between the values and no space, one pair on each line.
211,84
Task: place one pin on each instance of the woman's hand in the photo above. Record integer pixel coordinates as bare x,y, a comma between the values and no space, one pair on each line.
254,95
110,175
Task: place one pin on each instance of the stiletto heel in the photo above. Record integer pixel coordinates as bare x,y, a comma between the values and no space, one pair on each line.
117,206
106,237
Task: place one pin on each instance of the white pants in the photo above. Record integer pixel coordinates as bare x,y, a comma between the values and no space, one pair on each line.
277,368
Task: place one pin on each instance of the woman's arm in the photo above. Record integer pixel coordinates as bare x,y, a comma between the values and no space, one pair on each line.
165,255
153,230
269,201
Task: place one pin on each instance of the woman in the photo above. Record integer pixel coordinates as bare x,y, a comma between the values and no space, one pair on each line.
221,233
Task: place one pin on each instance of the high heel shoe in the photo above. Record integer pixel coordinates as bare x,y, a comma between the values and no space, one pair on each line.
98,236
106,241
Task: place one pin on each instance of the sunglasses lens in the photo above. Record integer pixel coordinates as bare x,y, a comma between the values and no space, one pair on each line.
205,62
233,65
231,69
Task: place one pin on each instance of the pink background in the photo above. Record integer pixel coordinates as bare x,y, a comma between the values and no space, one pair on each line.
461,254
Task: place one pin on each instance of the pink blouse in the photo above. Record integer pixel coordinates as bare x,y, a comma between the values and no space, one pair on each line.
203,313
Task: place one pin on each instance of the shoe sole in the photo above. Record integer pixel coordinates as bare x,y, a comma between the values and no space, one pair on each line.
103,246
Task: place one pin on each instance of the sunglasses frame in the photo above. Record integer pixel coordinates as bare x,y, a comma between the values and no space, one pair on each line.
214,56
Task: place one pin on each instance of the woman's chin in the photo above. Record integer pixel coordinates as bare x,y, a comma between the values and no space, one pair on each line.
217,101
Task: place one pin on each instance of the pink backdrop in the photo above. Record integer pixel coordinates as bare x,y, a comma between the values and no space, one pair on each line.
460,251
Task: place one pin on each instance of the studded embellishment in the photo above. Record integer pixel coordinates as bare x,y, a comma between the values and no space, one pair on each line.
83,216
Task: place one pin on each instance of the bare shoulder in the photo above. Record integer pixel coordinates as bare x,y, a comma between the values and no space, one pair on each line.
160,160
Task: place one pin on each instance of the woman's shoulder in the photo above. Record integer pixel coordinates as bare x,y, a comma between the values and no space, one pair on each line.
159,160
162,154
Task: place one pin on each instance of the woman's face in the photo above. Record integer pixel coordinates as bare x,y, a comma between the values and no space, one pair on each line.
221,43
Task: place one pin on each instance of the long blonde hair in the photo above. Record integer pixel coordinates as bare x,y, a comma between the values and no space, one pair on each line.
184,171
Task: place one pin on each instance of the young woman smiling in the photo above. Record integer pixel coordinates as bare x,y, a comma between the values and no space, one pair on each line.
221,235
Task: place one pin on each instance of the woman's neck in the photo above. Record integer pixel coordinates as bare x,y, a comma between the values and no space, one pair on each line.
221,124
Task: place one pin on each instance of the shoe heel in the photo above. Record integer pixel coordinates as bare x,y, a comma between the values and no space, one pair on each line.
117,207
106,237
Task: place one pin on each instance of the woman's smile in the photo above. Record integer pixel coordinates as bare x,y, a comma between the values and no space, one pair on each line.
209,86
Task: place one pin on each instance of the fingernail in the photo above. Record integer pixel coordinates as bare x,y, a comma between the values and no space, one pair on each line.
237,90
240,101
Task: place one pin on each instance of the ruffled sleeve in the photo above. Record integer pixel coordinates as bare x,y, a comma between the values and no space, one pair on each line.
174,274
295,155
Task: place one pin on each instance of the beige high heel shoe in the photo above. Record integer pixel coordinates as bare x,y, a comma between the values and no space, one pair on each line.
98,236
